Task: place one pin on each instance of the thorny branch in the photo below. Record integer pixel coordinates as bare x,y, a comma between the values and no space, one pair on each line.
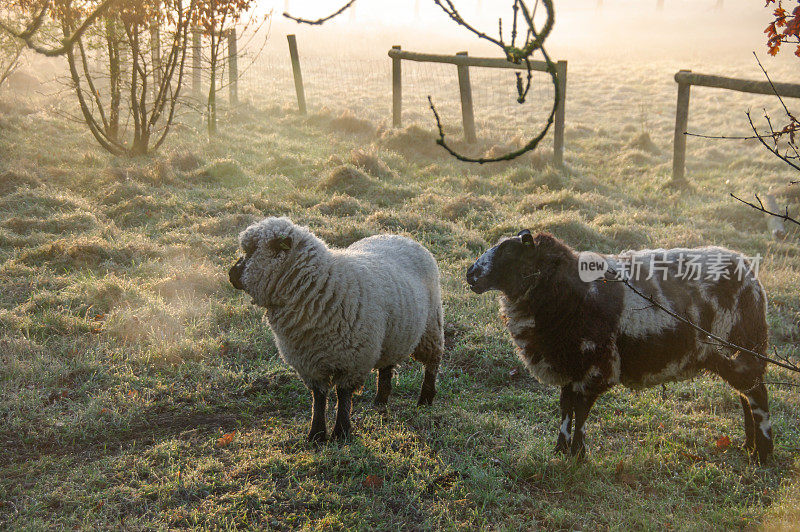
67,43
323,20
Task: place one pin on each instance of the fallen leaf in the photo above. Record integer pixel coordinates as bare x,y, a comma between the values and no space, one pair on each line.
723,442
691,456
372,481
226,439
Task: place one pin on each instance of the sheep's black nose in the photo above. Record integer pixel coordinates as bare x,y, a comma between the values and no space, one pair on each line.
235,274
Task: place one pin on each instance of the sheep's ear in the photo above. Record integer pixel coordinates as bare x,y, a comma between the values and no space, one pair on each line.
526,236
280,244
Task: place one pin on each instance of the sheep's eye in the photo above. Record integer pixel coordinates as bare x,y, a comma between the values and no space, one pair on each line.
280,244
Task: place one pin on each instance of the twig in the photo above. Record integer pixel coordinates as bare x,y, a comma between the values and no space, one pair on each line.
534,42
760,207
27,34
722,342
322,20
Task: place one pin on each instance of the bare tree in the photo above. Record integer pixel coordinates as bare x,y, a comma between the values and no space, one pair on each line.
129,103
216,19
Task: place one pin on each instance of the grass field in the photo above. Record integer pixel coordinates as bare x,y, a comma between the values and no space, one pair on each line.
125,355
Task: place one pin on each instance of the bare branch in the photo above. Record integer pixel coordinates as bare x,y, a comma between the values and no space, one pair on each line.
67,43
322,20
760,207
534,42
711,336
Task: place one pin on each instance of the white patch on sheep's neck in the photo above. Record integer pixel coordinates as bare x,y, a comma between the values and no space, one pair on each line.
587,345
544,372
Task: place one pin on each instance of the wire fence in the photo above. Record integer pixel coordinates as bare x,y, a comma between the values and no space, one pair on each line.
359,83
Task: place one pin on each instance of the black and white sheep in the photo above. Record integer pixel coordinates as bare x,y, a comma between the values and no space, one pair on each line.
589,336
337,314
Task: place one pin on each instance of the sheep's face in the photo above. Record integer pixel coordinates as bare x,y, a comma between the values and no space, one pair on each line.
267,247
513,264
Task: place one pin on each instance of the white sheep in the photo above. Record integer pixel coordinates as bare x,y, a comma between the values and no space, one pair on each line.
337,314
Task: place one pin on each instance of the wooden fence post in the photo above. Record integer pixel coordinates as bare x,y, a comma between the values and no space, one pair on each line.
467,112
560,118
196,57
233,67
681,123
397,90
298,76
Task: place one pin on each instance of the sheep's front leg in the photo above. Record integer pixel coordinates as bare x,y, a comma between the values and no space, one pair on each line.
583,402
384,385
320,400
344,398
564,435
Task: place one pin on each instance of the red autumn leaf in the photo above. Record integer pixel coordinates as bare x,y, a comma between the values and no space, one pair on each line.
226,439
691,456
723,442
372,482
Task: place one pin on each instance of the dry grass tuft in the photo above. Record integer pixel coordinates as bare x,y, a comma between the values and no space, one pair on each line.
412,141
185,161
348,180
643,142
87,252
226,172
464,204
227,225
370,163
10,181
340,205
349,123
63,223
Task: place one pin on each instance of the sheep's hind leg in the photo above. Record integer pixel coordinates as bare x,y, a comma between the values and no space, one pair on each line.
429,352
749,425
567,414
318,429
384,385
762,426
745,374
582,404
344,396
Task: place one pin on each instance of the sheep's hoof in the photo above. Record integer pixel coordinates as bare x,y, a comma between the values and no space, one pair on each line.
317,436
579,454
340,433
425,400
760,458
562,447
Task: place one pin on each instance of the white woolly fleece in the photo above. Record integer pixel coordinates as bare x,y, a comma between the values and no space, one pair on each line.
338,313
